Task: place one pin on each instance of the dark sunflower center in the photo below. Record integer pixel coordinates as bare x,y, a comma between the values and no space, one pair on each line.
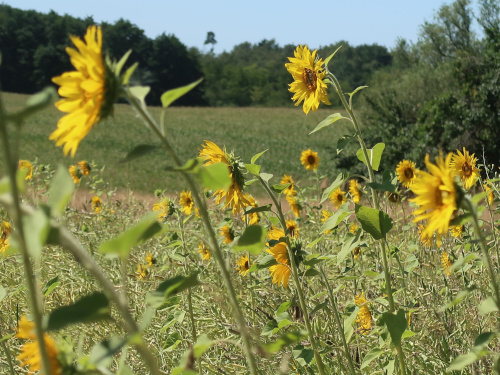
467,169
292,231
409,173
245,266
340,197
311,160
309,78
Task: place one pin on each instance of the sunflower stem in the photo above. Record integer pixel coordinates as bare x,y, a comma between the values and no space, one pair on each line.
295,275
375,201
237,314
34,298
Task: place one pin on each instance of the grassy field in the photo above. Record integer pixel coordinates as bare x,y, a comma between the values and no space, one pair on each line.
247,131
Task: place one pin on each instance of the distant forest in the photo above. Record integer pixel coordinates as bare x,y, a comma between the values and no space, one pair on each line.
440,93
33,45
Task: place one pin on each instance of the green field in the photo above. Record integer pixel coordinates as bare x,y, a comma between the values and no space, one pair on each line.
247,131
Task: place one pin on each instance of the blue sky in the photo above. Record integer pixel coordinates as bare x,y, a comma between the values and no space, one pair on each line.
288,22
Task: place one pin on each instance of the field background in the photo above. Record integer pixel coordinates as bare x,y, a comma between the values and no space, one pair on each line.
247,131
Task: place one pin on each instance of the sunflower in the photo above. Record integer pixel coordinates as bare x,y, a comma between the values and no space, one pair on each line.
204,251
293,205
5,231
456,230
27,166
96,204
364,318
325,215
310,160
426,241
233,197
464,165
356,252
435,196
227,234
186,202
84,168
74,172
243,265
308,74
30,352
355,191
275,233
87,92
165,208
292,229
406,172
290,190
149,259
353,228
338,198
445,261
489,191
141,271
252,218
281,271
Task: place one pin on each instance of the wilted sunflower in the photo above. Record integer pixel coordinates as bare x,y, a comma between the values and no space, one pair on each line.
30,352
5,231
243,265
281,271
292,228
435,197
26,165
96,204
310,160
445,261
204,251
355,191
227,234
293,205
406,172
338,198
364,318
290,190
233,197
464,166
186,202
308,74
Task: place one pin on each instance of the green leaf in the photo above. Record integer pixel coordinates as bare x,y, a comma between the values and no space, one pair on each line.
256,156
336,218
215,176
302,355
50,286
335,184
89,308
395,325
138,152
343,141
38,226
118,66
350,242
327,60
375,155
374,353
264,262
60,192
487,306
102,353
478,351
120,246
170,287
458,298
389,182
351,94
373,221
252,240
253,169
283,307
265,208
284,340
202,345
35,103
266,176
170,96
349,323
140,92
328,121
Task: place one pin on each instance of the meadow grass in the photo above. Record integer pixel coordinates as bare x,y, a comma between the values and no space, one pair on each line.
281,131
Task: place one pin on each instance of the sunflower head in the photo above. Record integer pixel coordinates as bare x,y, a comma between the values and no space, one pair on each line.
489,191
96,204
290,190
27,167
464,166
5,231
227,234
294,206
252,218
186,202
338,198
436,197
355,191
308,73
292,229
310,160
165,208
364,318
84,168
204,251
280,272
243,265
456,231
406,172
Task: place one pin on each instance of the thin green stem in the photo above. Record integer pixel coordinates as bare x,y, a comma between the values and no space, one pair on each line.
295,275
340,326
200,203
7,356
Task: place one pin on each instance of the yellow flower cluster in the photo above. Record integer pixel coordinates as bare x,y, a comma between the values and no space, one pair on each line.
364,318
141,271
204,251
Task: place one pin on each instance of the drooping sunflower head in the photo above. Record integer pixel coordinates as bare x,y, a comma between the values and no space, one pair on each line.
436,197
165,208
406,172
96,204
204,251
310,160
84,168
233,197
280,272
338,198
292,229
355,191
308,73
227,234
243,265
294,206
27,167
290,190
252,218
464,165
186,202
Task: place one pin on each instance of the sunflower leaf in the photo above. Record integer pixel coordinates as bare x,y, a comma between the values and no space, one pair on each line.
328,121
215,176
256,156
351,94
170,287
336,218
327,60
170,96
373,221
252,240
335,184
395,325
375,155
137,152
343,141
253,169
284,340
60,191
265,208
